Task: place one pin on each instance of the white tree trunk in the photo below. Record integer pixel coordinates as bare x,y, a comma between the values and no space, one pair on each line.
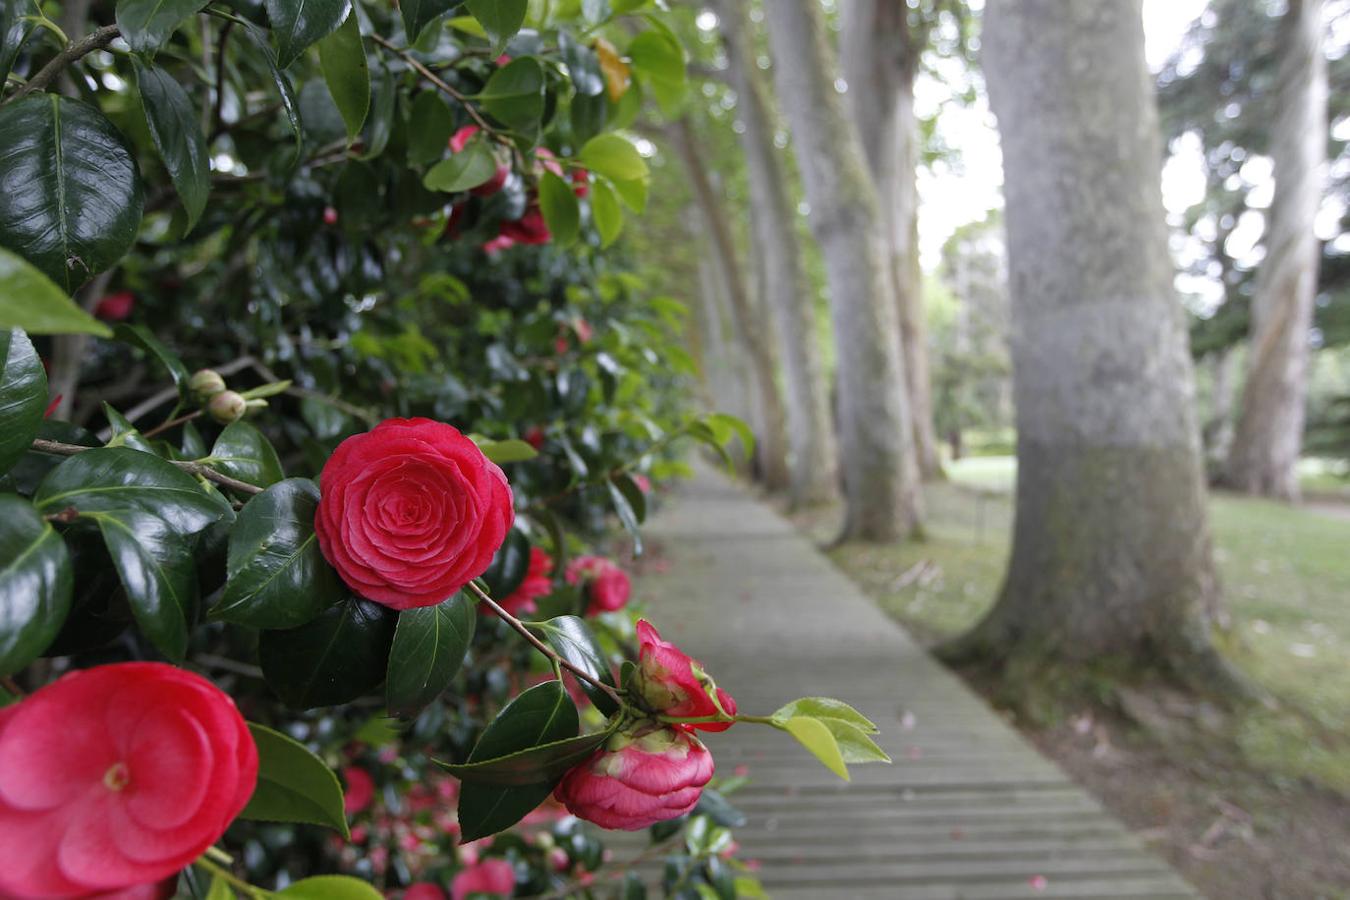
1269,434
877,454
879,58
783,287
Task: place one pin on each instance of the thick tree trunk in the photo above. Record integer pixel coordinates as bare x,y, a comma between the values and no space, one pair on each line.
877,454
723,369
879,57
752,331
783,287
1269,432
1111,562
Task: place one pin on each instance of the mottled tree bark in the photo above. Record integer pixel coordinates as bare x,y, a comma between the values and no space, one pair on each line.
1111,561
753,333
783,287
877,454
1269,433
880,55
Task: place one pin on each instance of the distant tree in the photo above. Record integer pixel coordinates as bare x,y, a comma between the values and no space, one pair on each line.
1112,562
877,453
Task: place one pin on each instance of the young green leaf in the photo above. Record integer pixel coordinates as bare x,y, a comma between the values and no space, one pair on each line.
243,452
342,58
32,301
298,23
854,745
23,395
333,659
814,736
147,24
561,211
461,171
329,887
294,785
35,584
658,60
605,212
507,451
614,157
824,708
429,647
173,122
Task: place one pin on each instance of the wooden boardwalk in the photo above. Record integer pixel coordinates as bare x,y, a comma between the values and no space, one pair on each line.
968,810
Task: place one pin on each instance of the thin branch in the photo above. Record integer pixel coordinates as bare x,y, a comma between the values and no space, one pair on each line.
169,423
9,684
524,631
96,40
192,468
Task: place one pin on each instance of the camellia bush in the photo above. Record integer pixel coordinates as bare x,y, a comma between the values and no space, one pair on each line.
329,421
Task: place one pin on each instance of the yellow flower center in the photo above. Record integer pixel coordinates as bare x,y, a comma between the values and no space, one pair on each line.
117,777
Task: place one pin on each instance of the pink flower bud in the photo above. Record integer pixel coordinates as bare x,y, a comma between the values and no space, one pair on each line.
672,683
360,789
606,585
638,778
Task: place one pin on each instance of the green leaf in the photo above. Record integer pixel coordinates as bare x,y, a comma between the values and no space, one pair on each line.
35,584
854,745
507,451
814,736
429,647
583,66
16,25
659,60
277,578
330,887
384,86
509,566
156,565
147,24
72,199
561,211
23,395
537,765
298,23
466,169
542,715
614,157
31,301
633,193
501,19
632,493
219,890
242,452
342,57
725,426
824,708
574,642
142,337
173,123
294,785
514,95
283,84
124,434
429,128
418,14
114,479
605,212
628,516
334,659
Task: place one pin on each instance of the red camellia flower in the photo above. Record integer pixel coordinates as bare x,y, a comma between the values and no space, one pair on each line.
528,229
534,436
638,778
674,684
458,141
537,584
116,307
117,777
423,891
491,876
360,789
411,512
606,585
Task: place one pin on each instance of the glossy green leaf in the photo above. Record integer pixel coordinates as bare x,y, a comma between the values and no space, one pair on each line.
285,91
572,638
333,659
72,199
296,24
23,395
32,301
466,169
35,584
277,578
429,647
614,157
144,338
501,19
383,108
430,126
514,95
854,745
418,14
632,493
242,452
658,60
824,708
330,887
628,516
294,785
123,433
814,736
115,479
342,57
156,565
536,765
583,66
714,804
173,122
15,27
544,714
605,212
147,24
561,211
509,566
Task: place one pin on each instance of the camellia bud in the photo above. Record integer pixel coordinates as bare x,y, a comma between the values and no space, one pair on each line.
227,407
206,383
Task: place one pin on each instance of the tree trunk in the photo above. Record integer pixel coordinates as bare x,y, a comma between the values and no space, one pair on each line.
1269,432
723,369
752,331
1111,562
783,287
1218,431
880,55
877,453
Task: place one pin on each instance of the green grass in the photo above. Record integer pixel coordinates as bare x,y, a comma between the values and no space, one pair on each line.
1286,577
